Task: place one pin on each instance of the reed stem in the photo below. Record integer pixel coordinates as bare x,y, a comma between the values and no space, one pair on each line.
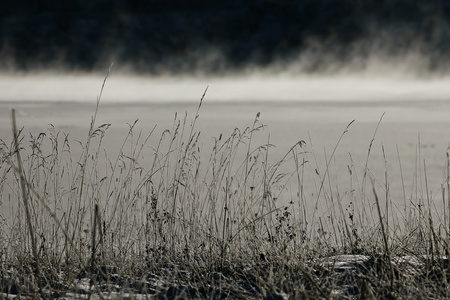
22,180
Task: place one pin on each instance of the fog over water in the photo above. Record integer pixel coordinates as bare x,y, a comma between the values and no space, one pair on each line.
123,88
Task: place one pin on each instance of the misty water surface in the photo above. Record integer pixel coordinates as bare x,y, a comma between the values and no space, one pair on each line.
413,132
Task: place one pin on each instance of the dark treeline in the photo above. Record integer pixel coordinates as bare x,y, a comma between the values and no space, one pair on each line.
181,35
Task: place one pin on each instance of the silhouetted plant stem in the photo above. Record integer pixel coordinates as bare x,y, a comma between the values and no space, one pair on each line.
25,200
385,238
94,230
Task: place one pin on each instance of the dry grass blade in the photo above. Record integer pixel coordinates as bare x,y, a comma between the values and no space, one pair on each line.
384,233
25,199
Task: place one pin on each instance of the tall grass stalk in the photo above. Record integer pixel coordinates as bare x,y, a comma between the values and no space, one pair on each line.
385,236
366,169
326,173
23,187
448,191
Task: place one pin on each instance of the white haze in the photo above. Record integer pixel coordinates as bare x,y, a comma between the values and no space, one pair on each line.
122,87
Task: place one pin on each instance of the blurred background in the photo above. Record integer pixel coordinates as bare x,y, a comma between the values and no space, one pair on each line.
200,36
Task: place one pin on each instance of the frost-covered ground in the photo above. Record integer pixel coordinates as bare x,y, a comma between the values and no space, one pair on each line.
339,277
